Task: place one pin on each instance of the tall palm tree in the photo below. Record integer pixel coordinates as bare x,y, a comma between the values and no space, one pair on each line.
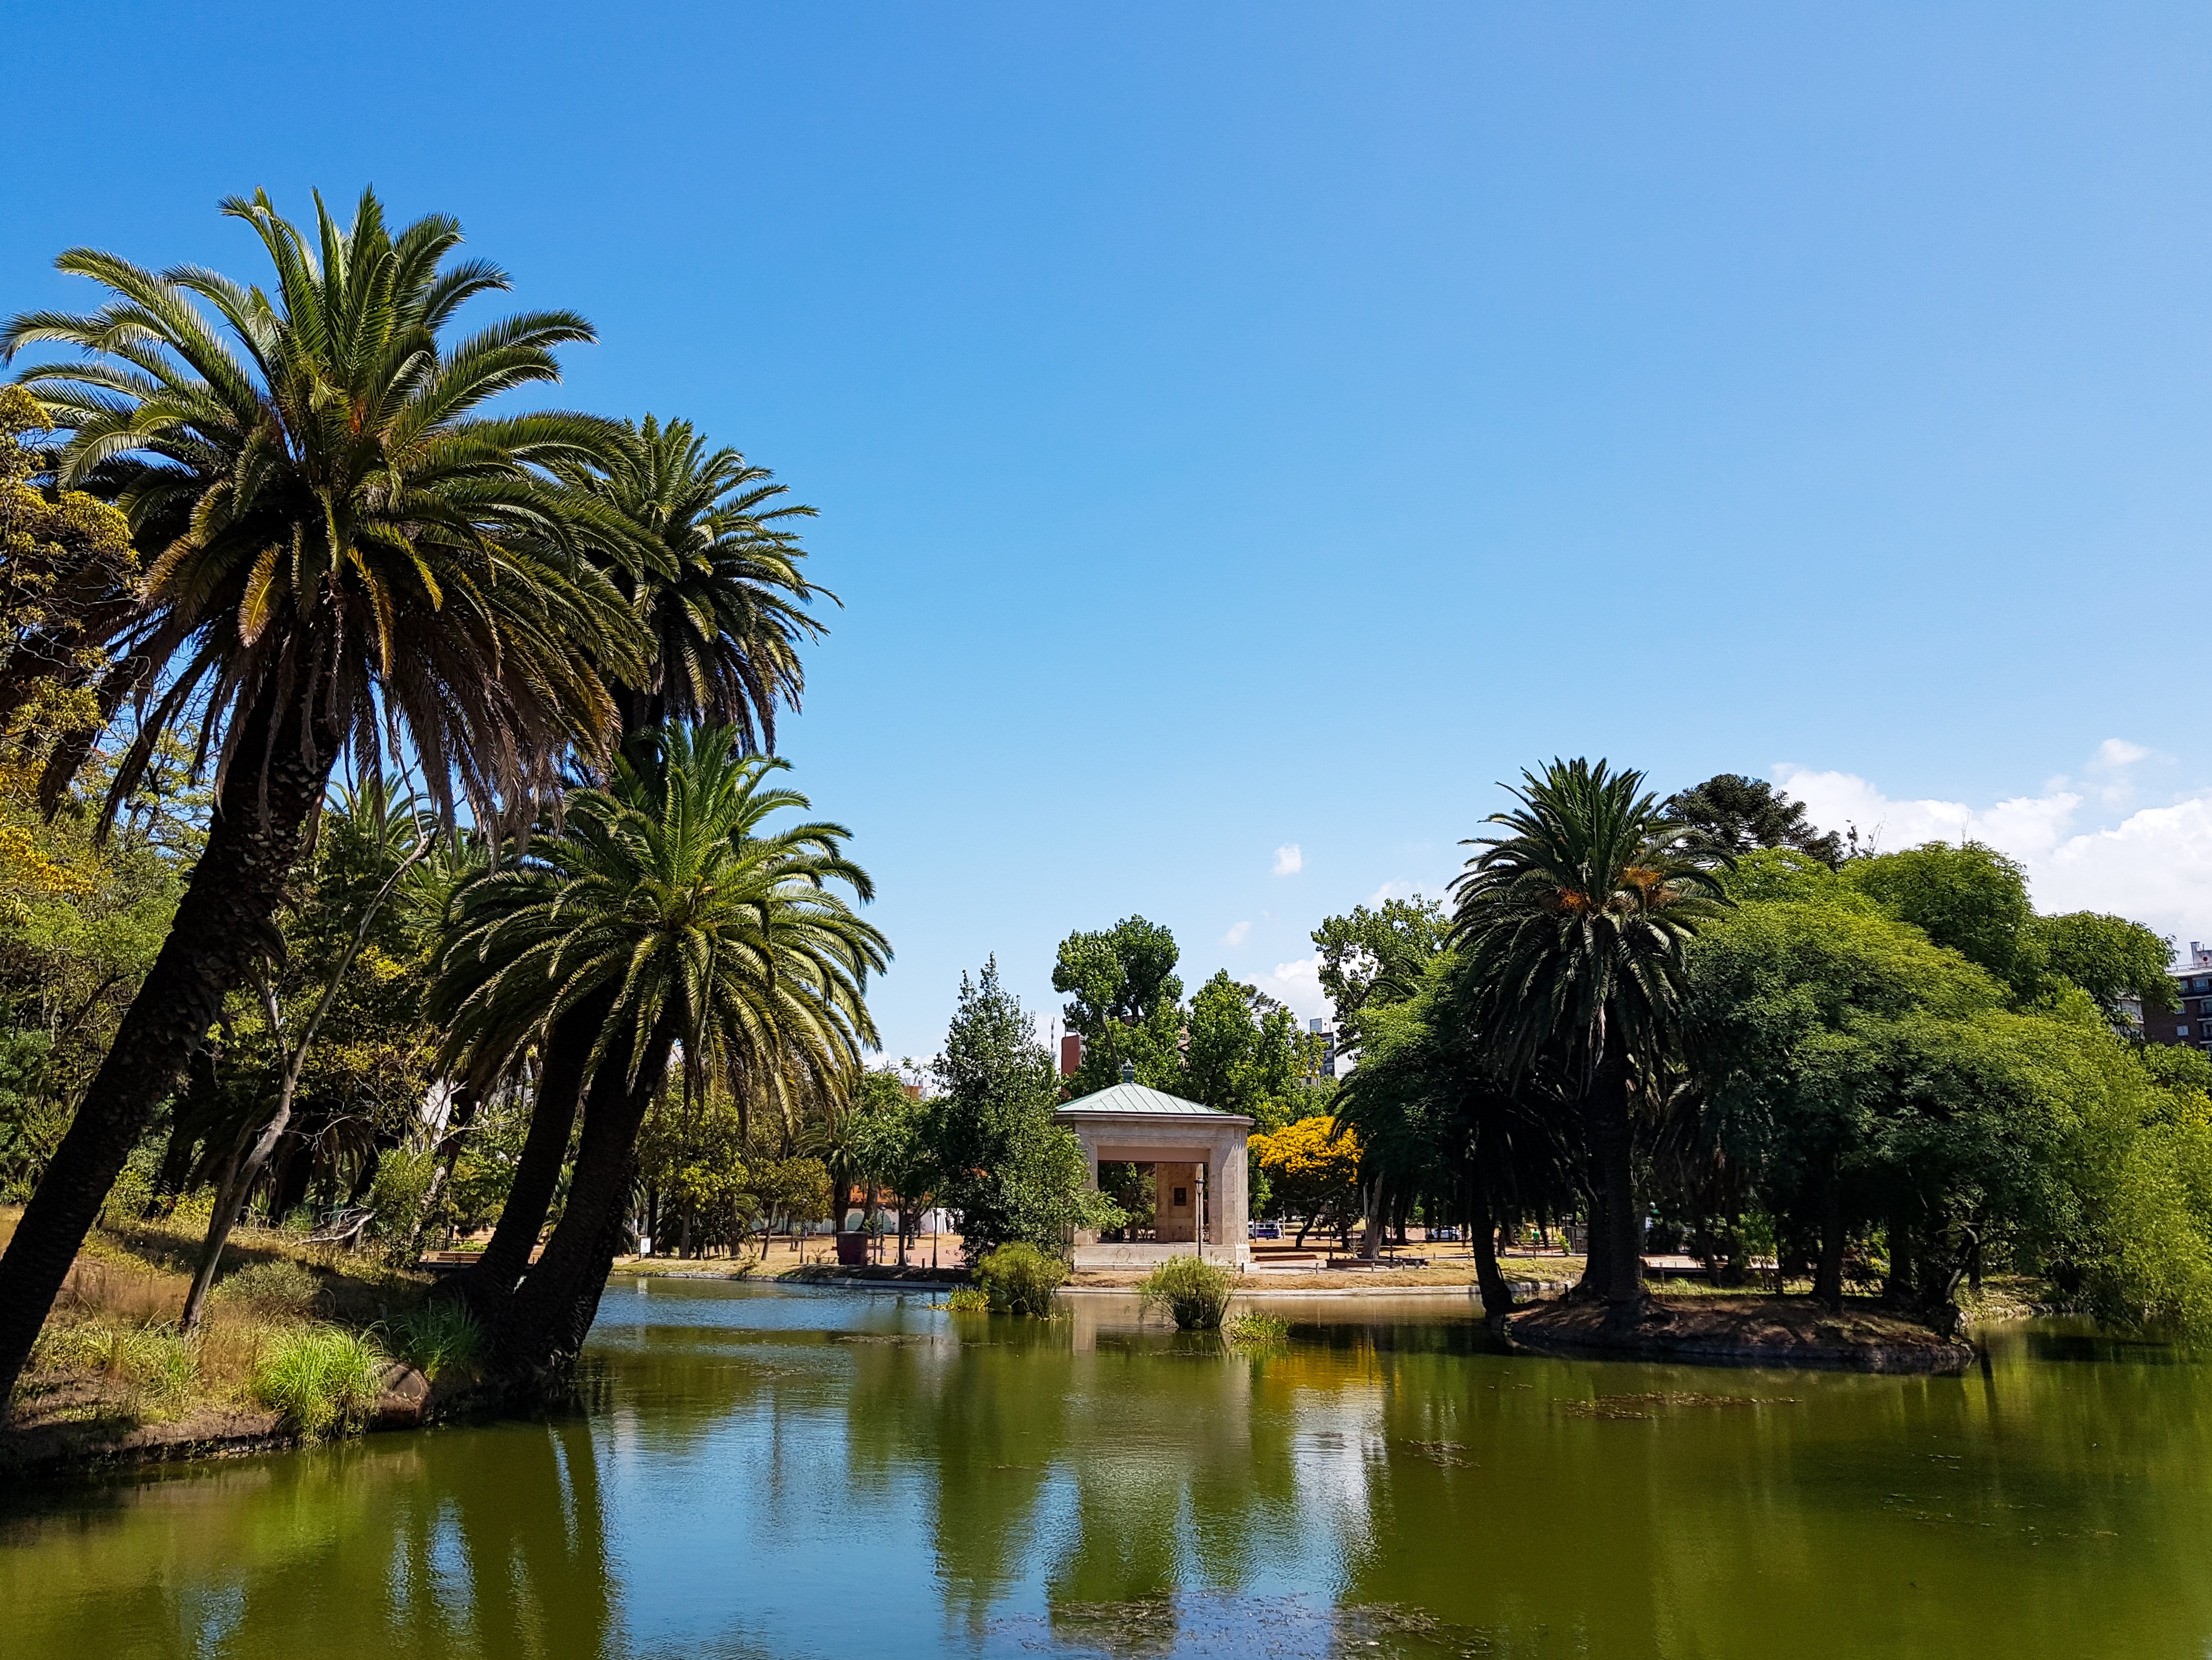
719,597
705,931
719,594
342,554
1571,927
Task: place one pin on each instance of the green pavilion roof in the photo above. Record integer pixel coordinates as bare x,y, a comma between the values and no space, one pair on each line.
1136,1098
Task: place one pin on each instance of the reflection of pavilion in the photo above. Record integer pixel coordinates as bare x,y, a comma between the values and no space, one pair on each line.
1197,1156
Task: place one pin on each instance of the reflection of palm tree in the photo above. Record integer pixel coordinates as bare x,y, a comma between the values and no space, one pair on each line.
1572,927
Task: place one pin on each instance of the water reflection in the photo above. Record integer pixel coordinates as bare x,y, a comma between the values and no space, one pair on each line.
766,1474
485,1542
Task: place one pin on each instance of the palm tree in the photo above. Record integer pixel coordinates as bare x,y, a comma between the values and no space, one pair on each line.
718,593
1571,928
342,554
705,932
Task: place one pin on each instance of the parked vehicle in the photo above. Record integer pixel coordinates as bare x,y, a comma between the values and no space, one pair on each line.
1266,1230
1444,1236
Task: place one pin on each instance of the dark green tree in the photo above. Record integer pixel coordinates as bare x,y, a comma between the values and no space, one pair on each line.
1381,954
1124,999
2112,959
1735,814
1008,1171
1573,925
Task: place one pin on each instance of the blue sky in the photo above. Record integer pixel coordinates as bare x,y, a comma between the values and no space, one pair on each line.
1243,429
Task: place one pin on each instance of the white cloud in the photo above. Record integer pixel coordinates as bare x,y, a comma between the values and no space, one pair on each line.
1237,933
1389,890
1288,862
1298,986
2153,865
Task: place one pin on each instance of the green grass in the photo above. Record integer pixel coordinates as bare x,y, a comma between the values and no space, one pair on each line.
1196,1293
969,1299
321,1377
276,1290
439,1340
1019,1279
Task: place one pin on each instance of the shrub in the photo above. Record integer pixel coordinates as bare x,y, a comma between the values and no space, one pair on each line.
1254,1330
1019,1279
320,1378
275,1290
1196,1292
969,1299
438,1340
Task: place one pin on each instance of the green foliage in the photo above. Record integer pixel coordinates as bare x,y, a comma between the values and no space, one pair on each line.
1008,1172
1969,898
277,1289
1573,924
969,1299
1734,814
2109,957
1017,1278
1194,1292
1243,1053
159,1367
1124,1000
321,1377
342,421
1379,954
716,931
440,1339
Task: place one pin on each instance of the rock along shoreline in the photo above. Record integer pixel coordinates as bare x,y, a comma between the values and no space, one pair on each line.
1746,1331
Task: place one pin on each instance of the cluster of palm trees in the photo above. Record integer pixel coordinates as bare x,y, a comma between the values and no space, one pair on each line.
578,630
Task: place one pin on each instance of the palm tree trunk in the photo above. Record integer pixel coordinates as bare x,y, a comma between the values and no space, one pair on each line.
1489,1278
274,782
1613,1150
544,1150
548,1319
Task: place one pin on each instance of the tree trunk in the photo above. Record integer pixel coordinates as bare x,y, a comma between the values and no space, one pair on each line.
1370,1219
274,783
462,1113
1489,1278
1828,1281
1897,1285
544,1150
1612,1152
547,1318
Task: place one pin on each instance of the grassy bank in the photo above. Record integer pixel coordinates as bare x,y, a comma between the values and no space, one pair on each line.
298,1342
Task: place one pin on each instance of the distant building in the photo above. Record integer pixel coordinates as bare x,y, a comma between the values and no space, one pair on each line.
1327,1065
2193,1021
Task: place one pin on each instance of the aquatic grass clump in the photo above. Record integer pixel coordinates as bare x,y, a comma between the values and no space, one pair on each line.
439,1340
1252,1329
969,1299
275,1290
1196,1292
320,1378
1019,1279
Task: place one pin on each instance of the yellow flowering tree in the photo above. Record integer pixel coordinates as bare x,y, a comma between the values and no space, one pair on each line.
1314,1171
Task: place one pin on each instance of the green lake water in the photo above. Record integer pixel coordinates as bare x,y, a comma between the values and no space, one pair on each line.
760,1472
